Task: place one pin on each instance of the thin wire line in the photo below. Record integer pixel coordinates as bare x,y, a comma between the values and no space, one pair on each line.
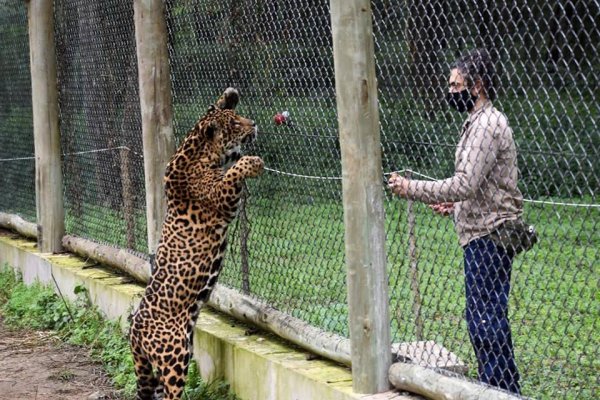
412,172
16,159
337,177
101,150
77,153
304,176
61,296
555,203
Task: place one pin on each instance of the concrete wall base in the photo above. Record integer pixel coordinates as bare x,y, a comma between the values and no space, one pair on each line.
258,366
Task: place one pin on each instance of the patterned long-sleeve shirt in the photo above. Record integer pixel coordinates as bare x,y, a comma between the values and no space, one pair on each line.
484,185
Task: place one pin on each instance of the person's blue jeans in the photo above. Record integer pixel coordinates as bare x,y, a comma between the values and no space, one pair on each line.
487,278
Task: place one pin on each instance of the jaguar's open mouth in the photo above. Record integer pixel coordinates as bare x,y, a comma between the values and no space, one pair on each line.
251,137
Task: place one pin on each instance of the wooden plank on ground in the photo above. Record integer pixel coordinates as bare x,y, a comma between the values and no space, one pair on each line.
428,354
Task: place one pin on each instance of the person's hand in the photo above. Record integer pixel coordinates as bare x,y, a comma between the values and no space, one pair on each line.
398,184
444,209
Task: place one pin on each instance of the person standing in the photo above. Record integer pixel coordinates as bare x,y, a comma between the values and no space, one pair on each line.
483,196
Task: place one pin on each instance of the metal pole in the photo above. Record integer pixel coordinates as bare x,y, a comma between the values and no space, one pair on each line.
414,267
358,119
244,235
44,94
156,108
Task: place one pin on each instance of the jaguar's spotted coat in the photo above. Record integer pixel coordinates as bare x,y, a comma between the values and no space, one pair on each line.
202,199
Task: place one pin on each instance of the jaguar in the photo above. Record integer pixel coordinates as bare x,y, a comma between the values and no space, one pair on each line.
203,182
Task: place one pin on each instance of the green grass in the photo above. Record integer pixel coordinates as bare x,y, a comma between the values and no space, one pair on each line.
79,323
296,261
107,225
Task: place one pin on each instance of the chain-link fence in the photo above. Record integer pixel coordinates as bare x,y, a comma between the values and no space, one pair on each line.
546,58
17,163
287,245
290,248
100,122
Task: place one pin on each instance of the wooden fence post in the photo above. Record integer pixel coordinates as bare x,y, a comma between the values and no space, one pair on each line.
44,95
156,108
362,181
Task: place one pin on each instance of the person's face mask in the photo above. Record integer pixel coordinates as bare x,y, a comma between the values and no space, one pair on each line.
461,101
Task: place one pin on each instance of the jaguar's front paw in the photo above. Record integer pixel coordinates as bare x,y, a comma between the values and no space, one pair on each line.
251,166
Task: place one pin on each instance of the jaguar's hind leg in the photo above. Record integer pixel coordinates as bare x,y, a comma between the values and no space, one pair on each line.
147,382
174,370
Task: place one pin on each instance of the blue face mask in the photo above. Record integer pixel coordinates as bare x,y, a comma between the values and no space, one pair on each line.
461,101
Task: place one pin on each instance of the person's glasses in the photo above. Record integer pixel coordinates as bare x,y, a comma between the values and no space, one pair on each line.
456,86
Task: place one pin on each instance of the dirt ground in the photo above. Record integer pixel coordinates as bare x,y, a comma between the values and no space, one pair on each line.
37,365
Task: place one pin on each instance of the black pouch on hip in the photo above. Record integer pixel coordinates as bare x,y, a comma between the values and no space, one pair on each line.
515,236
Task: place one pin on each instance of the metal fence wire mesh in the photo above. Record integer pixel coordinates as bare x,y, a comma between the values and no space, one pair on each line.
287,244
100,122
17,163
286,247
547,70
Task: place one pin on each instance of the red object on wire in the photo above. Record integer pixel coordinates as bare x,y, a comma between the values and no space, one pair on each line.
279,119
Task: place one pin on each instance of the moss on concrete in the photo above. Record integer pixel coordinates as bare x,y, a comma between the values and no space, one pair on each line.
19,242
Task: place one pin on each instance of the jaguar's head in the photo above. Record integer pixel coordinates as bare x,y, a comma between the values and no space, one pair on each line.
228,129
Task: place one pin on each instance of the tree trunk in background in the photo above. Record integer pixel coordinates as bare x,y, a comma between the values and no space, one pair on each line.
487,27
105,54
425,35
244,235
91,86
573,33
234,37
490,32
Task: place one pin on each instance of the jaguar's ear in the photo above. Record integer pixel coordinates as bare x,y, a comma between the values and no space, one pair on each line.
210,130
229,99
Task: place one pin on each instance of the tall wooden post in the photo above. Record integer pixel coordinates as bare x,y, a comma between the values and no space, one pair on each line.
156,108
44,94
362,182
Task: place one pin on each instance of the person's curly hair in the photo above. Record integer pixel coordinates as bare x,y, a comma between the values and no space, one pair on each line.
478,65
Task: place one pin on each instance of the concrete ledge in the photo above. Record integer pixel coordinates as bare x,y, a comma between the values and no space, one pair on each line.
109,291
258,366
